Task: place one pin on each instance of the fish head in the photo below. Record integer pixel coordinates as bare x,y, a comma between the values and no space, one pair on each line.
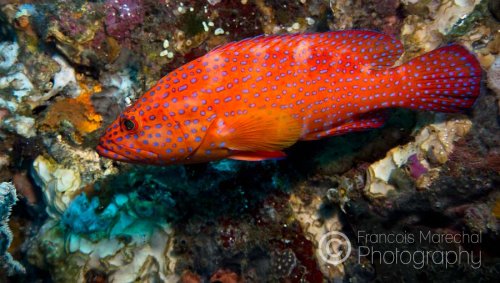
144,135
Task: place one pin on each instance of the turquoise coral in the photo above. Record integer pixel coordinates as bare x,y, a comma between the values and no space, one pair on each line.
81,216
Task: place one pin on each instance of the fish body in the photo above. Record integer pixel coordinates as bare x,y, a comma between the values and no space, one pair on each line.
251,99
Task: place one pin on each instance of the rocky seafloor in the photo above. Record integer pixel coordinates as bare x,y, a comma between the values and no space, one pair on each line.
68,68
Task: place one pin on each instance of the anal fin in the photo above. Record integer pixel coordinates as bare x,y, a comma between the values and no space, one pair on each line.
367,121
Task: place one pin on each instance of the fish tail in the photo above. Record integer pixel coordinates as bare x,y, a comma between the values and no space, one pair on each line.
444,80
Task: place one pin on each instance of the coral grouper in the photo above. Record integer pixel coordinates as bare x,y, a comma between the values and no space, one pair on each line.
251,99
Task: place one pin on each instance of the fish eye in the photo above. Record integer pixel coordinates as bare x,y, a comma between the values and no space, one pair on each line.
128,124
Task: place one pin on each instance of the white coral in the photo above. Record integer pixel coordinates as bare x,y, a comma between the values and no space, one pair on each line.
8,54
59,185
14,79
64,78
19,86
433,143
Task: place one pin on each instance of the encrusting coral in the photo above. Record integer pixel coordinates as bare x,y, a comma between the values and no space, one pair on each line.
14,86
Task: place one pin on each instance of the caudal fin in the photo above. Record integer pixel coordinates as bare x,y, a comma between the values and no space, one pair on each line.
444,80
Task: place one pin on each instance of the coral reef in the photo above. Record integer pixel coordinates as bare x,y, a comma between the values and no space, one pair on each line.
429,34
431,146
129,244
74,117
7,199
317,226
66,172
60,185
18,85
122,17
68,68
116,93
381,15
14,79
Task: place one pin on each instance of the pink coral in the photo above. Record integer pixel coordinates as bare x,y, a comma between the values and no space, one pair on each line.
122,17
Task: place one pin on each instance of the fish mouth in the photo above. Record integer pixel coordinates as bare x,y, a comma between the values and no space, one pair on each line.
106,151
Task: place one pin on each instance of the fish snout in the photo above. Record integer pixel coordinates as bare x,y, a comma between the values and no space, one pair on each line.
108,149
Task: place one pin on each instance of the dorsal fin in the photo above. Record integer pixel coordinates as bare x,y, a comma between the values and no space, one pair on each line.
368,47
364,47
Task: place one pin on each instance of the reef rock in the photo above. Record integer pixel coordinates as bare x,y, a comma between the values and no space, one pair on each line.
494,78
431,21
318,230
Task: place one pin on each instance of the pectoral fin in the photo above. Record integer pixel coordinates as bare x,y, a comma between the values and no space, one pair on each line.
259,130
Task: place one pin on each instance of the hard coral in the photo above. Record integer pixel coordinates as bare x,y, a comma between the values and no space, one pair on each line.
123,246
59,184
81,216
13,77
7,199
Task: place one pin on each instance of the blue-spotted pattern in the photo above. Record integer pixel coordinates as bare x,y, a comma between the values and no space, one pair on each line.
251,99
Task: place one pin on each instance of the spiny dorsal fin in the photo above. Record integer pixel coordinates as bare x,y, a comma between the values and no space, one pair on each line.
362,46
368,47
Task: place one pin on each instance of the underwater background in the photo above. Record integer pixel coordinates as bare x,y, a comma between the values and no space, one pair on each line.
68,68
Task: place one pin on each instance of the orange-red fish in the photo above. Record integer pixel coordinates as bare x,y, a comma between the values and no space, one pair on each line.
251,99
